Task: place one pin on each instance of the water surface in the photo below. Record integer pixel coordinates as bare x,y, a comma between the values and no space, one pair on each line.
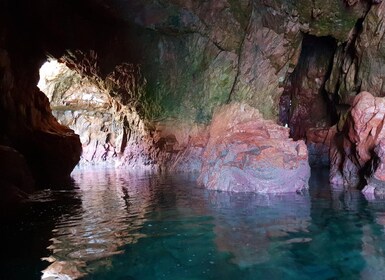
121,225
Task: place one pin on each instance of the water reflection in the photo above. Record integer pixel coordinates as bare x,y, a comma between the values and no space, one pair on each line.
112,210
144,226
246,224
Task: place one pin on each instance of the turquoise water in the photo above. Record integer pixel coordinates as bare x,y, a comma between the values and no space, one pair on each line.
117,225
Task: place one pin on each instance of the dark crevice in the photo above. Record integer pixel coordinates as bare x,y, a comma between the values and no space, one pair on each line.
305,103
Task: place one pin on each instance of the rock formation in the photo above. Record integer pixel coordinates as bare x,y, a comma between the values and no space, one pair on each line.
358,146
164,68
246,153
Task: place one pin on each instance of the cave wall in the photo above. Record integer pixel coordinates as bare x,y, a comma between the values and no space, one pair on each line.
213,52
27,125
191,56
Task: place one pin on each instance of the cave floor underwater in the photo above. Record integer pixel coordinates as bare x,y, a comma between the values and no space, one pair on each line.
120,225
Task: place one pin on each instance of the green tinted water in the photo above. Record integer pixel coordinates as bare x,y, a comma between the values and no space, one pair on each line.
117,225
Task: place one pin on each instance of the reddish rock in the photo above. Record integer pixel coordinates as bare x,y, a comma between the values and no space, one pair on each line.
246,153
355,146
308,106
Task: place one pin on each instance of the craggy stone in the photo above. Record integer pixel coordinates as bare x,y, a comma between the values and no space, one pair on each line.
195,57
355,145
246,153
358,64
308,106
375,176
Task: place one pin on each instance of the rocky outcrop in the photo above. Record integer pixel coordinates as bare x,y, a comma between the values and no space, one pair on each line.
358,63
50,149
78,102
357,147
246,153
16,179
194,56
375,176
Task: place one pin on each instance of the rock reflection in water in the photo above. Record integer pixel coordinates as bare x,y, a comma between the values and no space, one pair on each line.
373,242
249,227
246,224
167,228
112,211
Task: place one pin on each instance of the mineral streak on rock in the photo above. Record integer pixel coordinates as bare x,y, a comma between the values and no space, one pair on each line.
358,147
246,153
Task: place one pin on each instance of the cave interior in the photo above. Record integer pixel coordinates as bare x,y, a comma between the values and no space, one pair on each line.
250,96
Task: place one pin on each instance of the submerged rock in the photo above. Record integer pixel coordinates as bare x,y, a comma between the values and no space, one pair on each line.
246,153
318,144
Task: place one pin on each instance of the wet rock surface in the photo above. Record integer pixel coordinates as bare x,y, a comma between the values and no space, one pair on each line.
178,61
318,142
357,148
246,153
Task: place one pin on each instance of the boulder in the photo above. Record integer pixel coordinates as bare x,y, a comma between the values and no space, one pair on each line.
246,153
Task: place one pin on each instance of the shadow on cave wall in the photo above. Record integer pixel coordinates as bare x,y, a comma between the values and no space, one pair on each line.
305,103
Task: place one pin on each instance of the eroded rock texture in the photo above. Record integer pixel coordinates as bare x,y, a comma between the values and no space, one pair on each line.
165,66
246,153
358,147
87,107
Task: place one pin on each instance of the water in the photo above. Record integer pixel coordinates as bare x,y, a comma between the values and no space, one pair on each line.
117,225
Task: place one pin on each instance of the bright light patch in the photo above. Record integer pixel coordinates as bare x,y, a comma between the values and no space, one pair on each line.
48,72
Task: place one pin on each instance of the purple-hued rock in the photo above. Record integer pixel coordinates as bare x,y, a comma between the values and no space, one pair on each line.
246,153
358,149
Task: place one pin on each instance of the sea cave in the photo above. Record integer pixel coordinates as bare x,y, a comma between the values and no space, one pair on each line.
171,139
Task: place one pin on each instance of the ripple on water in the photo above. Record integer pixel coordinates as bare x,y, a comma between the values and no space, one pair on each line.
143,226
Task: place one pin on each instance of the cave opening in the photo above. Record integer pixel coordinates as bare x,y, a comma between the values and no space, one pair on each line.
304,103
81,104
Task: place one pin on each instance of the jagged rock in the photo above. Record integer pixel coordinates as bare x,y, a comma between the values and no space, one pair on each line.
375,177
358,65
195,56
355,145
246,153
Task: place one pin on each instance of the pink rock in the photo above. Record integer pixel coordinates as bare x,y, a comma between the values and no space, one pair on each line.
246,153
357,149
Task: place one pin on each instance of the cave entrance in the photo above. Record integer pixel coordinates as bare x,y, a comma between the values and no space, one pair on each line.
79,103
304,105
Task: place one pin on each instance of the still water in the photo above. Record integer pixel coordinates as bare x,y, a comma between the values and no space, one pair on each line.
119,225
